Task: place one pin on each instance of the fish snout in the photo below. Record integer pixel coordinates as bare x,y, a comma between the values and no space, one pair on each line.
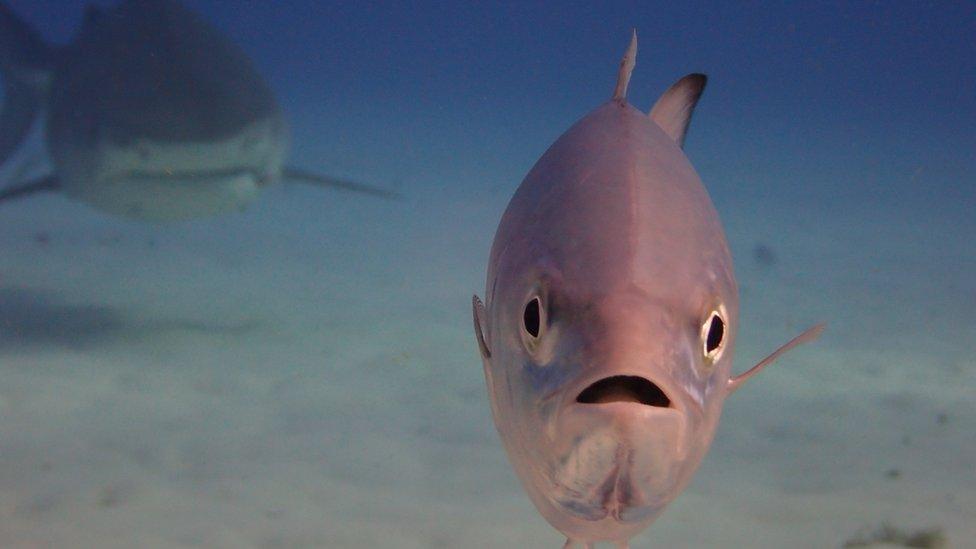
620,363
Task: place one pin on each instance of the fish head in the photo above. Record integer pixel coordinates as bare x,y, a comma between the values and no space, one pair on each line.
606,400
155,115
609,324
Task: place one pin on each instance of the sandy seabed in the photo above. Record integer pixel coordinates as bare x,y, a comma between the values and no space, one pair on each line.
304,375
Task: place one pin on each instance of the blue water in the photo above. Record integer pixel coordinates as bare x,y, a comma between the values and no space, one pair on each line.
303,374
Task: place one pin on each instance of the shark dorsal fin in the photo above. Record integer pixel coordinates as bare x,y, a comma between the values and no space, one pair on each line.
626,67
673,110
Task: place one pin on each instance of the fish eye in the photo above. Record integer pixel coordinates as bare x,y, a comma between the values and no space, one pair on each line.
713,335
532,317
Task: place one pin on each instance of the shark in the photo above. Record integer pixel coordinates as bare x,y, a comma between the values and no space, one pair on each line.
610,318
150,113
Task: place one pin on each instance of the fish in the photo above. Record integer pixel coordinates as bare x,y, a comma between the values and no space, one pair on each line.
610,318
150,114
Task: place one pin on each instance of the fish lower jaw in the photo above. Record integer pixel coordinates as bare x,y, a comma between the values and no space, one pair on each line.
611,509
615,502
620,413
609,523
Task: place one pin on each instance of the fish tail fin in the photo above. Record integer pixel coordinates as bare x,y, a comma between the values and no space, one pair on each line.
25,65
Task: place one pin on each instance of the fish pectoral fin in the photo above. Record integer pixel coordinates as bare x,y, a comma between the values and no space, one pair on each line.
48,183
806,337
20,107
478,312
319,180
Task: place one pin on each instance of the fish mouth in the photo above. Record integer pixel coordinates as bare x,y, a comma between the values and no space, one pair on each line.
624,388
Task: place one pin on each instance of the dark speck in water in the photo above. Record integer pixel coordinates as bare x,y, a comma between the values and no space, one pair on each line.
110,240
764,255
38,506
942,419
893,474
112,496
42,238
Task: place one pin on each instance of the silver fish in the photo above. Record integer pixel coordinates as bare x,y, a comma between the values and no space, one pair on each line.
610,319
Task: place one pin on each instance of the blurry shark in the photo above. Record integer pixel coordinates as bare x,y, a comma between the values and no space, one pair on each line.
151,114
610,319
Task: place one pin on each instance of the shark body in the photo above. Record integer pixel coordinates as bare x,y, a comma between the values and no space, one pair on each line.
151,113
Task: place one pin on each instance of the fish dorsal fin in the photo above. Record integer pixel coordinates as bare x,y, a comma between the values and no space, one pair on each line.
806,337
673,110
626,67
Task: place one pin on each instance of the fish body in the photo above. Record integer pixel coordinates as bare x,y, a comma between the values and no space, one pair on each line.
610,319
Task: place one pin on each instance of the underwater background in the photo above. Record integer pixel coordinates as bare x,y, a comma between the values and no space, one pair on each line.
305,374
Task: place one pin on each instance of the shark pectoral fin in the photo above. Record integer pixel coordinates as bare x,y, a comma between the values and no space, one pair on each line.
319,180
25,64
806,337
47,183
21,104
672,112
478,312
